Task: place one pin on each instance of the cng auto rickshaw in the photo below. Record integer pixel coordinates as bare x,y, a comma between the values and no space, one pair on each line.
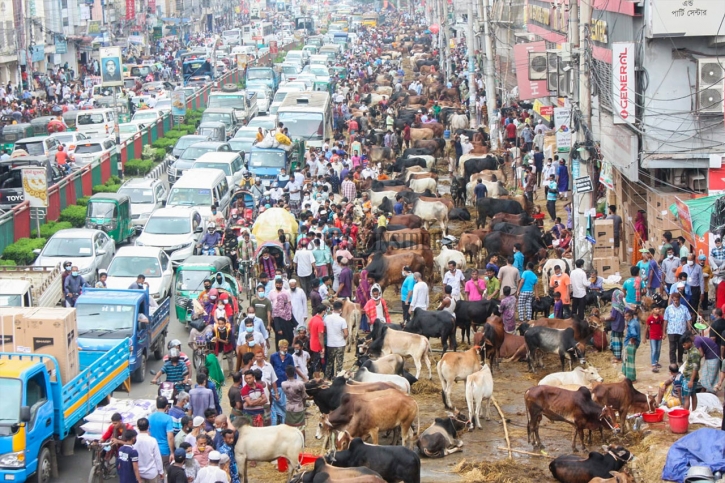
14,132
111,213
40,125
323,86
121,107
340,71
189,281
70,119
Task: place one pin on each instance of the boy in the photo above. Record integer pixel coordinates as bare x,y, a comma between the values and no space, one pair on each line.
558,306
128,459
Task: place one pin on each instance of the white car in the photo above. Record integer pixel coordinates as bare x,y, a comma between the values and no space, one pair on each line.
147,195
264,98
89,250
148,115
175,230
130,262
267,123
128,130
69,140
92,149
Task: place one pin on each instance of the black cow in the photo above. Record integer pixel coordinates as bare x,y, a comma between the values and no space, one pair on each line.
513,229
392,463
434,323
322,473
327,396
441,437
541,306
401,164
383,185
376,329
533,247
458,191
573,469
490,206
459,214
475,313
551,341
476,165
412,152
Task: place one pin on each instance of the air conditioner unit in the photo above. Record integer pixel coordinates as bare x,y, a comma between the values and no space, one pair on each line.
537,66
710,74
552,72
676,177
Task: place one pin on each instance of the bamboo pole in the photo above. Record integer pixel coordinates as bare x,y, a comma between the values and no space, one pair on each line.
505,428
525,452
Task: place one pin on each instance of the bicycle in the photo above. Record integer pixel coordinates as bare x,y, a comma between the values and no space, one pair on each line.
245,267
101,468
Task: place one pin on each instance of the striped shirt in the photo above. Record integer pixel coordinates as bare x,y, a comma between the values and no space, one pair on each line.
348,190
174,373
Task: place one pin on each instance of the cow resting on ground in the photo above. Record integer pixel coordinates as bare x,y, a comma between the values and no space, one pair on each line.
441,438
580,376
573,469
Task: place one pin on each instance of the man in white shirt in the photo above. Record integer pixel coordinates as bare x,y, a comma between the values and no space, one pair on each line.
212,473
336,339
466,146
150,464
305,261
299,303
579,284
454,277
420,294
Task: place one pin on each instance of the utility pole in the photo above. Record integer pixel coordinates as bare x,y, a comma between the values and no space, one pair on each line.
582,247
490,79
471,66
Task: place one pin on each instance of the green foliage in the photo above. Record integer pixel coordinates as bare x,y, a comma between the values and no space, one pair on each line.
83,201
113,180
21,252
165,144
75,215
50,228
138,167
105,188
159,154
7,263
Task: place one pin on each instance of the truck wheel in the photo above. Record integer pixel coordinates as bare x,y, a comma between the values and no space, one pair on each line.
159,348
139,375
230,88
43,473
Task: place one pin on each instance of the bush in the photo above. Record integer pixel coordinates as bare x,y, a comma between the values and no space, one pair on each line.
164,143
83,201
50,228
7,263
105,188
159,154
75,215
21,252
113,180
138,167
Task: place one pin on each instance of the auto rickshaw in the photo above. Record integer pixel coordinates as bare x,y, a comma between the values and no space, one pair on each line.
14,132
189,281
111,213
40,125
323,86
121,107
70,119
216,131
340,71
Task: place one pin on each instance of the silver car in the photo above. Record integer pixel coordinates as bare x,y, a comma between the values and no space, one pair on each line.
146,195
89,250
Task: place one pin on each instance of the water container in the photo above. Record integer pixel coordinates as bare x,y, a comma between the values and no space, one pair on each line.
679,420
446,134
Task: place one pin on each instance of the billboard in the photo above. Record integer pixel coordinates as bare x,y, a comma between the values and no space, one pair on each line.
178,103
562,127
111,67
35,187
623,83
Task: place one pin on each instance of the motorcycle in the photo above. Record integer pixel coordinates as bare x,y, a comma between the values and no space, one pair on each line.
208,250
170,390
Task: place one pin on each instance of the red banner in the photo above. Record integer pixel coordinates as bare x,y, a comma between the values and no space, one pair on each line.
130,9
152,6
528,89
546,111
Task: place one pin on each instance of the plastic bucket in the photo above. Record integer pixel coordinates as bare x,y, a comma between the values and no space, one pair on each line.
446,134
305,459
679,420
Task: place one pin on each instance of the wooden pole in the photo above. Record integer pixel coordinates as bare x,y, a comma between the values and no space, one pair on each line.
505,428
525,452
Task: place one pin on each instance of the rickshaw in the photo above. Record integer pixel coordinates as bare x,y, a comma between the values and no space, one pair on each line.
276,251
323,86
189,281
244,201
340,71
215,130
121,107
111,213
70,119
40,125
14,132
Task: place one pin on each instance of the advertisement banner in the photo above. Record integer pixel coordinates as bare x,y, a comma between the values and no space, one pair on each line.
606,176
690,18
273,49
623,83
130,9
178,103
111,66
528,89
562,125
35,187
152,6
544,111
61,46
700,243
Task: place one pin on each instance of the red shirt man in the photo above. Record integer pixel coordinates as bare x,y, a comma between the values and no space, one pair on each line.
317,331
511,131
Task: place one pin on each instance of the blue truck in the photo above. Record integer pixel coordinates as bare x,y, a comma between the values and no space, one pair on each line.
107,316
40,411
262,75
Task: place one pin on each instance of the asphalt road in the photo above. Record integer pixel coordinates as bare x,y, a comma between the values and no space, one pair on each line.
78,466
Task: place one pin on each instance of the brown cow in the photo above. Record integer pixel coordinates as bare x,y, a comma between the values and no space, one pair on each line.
333,474
491,340
420,175
623,398
433,144
617,477
513,348
421,133
522,219
573,407
471,245
386,268
361,415
352,313
422,250
457,366
411,221
480,233
419,236
448,202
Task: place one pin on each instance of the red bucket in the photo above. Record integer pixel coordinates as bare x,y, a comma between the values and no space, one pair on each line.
679,420
305,459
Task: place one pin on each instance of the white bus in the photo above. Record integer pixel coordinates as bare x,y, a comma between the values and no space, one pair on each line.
233,36
262,33
308,116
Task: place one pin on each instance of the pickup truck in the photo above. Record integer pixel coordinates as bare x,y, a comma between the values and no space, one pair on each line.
30,286
11,178
107,316
265,163
40,411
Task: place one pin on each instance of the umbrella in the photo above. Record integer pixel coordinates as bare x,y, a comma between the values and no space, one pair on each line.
427,31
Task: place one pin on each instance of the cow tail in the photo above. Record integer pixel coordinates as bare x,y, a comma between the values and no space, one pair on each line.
528,419
417,414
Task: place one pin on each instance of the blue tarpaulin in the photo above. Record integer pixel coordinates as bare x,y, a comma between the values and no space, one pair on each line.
704,447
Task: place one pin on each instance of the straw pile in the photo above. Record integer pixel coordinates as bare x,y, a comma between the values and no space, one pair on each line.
425,386
504,471
651,454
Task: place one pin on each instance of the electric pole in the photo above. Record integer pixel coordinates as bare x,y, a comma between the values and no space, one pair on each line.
585,123
471,66
490,79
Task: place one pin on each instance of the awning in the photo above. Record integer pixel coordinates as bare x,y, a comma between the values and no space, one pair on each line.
694,216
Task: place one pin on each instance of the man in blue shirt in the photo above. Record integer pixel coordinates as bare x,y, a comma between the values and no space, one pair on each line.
161,428
406,292
398,207
127,461
480,191
539,163
518,258
551,195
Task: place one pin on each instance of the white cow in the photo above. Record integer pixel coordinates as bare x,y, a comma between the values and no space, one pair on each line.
420,185
268,444
363,375
405,344
580,376
447,255
458,121
376,197
457,366
495,189
429,211
479,386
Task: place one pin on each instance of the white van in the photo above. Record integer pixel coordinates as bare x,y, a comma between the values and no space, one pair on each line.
96,122
201,188
299,56
231,163
319,59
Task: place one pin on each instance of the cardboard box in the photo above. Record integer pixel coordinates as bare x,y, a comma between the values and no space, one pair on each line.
603,250
53,331
606,266
11,329
604,230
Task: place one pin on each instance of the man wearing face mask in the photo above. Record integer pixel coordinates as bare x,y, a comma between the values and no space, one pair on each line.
220,282
179,410
73,286
669,268
696,282
281,312
262,308
216,218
